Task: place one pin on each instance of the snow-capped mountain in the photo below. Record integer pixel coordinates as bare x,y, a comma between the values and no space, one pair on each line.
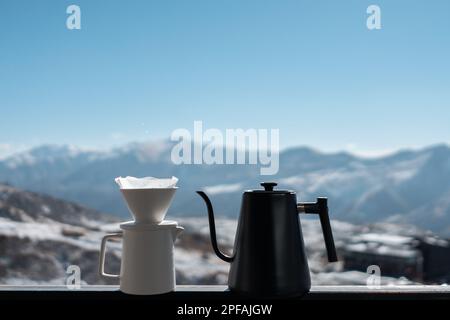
411,186
41,236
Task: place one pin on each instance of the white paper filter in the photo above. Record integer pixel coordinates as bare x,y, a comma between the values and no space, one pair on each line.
146,183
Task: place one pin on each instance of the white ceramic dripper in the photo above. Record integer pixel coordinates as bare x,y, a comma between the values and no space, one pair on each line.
147,246
148,199
148,205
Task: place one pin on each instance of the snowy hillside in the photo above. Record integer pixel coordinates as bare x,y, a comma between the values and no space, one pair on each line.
39,240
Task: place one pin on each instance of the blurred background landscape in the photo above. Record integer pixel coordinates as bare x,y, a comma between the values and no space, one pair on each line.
363,117
391,211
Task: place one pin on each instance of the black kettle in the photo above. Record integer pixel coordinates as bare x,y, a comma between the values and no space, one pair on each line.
269,255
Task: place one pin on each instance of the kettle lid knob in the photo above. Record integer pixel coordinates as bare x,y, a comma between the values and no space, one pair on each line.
268,186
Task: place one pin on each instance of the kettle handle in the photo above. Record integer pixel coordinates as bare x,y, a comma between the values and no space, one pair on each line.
212,229
321,208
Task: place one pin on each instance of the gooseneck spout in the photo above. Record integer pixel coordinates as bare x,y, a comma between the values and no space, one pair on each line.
212,229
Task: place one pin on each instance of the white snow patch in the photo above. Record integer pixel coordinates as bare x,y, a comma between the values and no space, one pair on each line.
45,209
223,188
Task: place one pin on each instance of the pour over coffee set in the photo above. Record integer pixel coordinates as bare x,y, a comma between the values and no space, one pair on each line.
268,257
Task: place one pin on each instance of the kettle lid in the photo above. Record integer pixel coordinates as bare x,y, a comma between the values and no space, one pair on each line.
268,188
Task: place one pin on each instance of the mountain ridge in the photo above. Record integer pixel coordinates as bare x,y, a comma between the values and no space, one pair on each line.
408,186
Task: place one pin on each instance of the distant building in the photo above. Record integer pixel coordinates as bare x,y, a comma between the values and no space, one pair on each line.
422,259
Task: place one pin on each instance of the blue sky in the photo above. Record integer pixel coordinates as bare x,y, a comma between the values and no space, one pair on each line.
137,70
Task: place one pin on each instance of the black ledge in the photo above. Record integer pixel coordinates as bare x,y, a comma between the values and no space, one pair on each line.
216,294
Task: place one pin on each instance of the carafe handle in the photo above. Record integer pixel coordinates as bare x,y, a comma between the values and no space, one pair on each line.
101,270
321,208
